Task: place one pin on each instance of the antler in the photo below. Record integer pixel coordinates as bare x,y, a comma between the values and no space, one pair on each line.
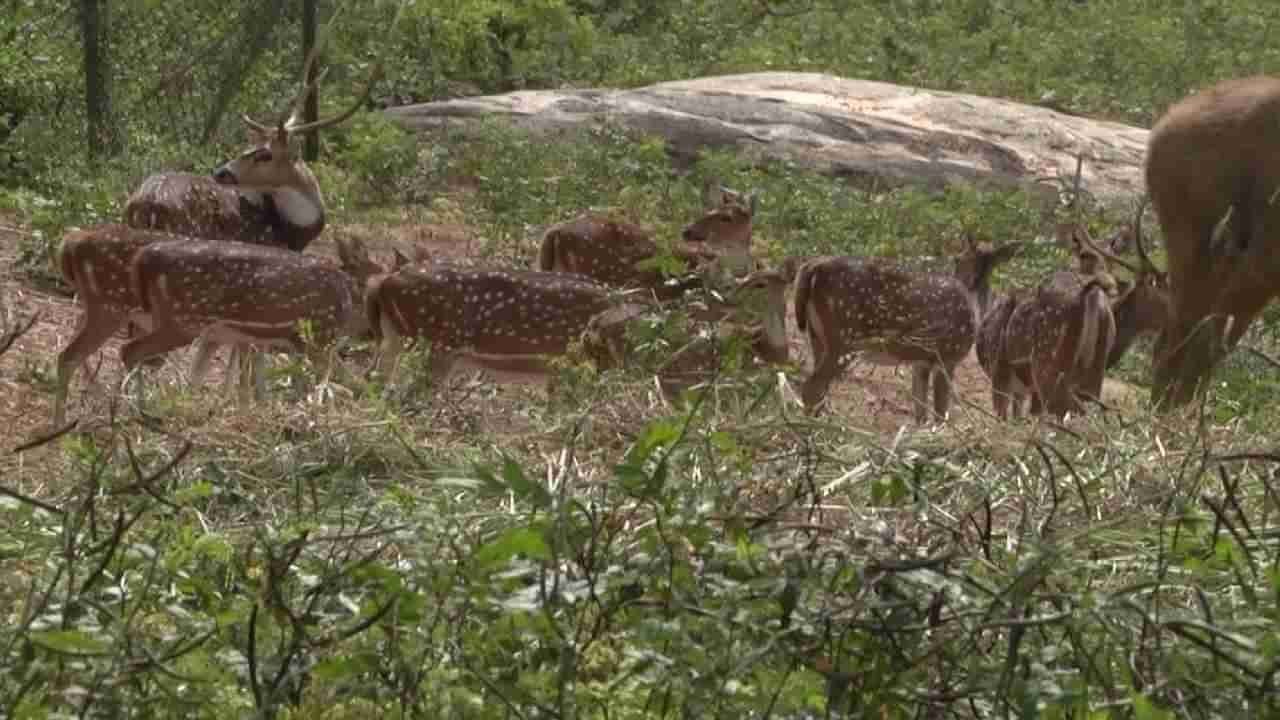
288,118
1145,266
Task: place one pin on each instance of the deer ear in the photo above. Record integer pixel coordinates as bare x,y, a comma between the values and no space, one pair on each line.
400,258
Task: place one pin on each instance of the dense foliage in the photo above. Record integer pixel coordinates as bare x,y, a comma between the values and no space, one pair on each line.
467,551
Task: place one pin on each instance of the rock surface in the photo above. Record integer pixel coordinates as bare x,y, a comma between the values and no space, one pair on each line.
863,130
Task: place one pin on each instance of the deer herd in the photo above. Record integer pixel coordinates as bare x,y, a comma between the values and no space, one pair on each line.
219,260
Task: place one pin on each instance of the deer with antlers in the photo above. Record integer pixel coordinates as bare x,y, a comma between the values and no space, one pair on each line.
893,315
1055,346
95,261
755,311
1213,181
610,251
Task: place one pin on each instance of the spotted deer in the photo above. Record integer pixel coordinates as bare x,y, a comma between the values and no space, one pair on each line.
95,260
1053,345
1141,305
241,293
610,251
893,315
756,313
498,319
1050,323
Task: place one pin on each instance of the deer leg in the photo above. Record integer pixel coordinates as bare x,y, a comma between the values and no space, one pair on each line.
389,356
814,389
93,329
200,363
441,365
921,373
159,341
942,391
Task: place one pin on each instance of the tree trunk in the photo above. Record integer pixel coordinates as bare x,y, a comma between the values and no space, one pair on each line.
94,15
260,23
311,107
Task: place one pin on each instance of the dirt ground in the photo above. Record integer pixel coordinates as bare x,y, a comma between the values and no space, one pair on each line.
870,399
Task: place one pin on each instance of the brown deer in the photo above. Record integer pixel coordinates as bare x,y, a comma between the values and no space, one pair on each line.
609,250
102,264
894,315
95,260
499,319
1213,180
1047,321
1141,305
242,293
756,312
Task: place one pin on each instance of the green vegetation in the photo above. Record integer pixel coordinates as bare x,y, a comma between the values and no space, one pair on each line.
475,551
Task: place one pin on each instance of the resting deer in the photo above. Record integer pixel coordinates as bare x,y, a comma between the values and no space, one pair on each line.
894,315
1212,175
609,250
95,260
241,293
506,320
756,311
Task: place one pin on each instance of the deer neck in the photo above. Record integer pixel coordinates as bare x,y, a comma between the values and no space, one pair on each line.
297,210
773,341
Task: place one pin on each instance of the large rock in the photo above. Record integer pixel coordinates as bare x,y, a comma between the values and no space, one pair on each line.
851,128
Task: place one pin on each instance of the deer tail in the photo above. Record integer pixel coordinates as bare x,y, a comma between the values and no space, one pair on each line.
1094,304
373,305
66,258
547,255
806,278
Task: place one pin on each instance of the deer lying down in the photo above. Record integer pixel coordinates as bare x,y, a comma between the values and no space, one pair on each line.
504,320
608,250
756,311
893,315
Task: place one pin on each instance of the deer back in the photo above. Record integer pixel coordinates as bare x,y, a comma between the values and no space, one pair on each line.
95,262
196,205
602,248
486,311
897,314
262,292
1053,336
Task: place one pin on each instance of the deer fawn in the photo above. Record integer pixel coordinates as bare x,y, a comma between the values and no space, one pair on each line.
506,320
609,250
756,312
894,315
1212,176
242,293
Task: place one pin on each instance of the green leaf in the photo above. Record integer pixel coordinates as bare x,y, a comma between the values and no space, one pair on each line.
71,642
525,541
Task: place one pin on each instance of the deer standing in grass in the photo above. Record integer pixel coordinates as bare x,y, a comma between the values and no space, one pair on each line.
892,315
1213,176
1055,346
756,311
236,293
609,250
505,320
95,261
